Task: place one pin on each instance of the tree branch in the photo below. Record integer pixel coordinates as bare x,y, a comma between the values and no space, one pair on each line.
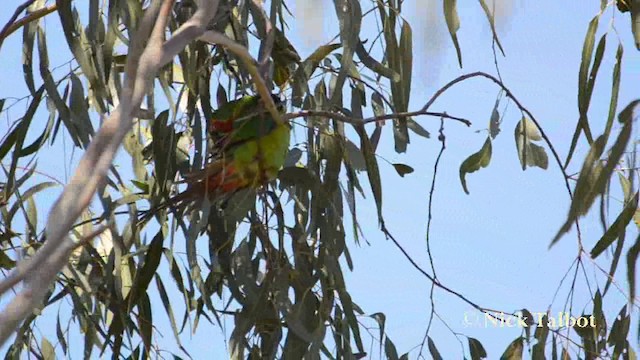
354,120
147,54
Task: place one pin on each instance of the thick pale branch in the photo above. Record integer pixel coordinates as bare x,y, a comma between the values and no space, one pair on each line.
146,55
240,51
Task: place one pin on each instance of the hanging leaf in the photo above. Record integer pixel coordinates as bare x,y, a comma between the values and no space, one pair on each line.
435,354
475,162
616,228
476,349
403,169
494,121
417,128
453,24
514,350
529,153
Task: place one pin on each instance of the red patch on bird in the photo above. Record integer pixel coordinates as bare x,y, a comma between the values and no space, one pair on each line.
221,126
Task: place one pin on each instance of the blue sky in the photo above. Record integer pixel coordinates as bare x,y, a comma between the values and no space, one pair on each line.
490,245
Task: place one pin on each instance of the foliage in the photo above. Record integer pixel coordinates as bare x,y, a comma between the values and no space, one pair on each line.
272,259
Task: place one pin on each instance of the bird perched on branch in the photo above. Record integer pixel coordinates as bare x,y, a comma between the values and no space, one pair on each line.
249,149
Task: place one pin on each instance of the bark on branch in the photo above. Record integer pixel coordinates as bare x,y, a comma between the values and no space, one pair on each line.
147,54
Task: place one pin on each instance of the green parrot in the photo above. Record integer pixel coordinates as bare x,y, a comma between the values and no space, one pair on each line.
250,148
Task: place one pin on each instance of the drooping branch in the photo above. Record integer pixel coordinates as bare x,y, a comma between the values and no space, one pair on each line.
353,120
147,54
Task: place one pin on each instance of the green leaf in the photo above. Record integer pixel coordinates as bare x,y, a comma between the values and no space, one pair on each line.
28,194
616,228
626,115
60,335
435,354
453,24
28,39
541,334
48,352
145,274
390,349
514,350
167,307
474,162
306,69
403,169
373,172
594,177
417,128
529,153
582,200
41,140
619,332
380,318
5,261
584,91
476,349
615,90
491,19
354,156
349,14
494,121
632,257
373,65
145,320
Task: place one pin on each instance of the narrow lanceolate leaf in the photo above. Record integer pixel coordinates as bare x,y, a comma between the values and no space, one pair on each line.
167,306
79,44
28,37
616,228
494,121
541,334
594,177
514,350
148,269
585,84
417,128
491,19
349,15
632,257
373,65
615,90
476,349
453,23
306,69
435,354
390,349
474,162
591,169
373,172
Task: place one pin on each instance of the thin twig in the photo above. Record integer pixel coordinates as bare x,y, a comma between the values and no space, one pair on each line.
354,120
5,29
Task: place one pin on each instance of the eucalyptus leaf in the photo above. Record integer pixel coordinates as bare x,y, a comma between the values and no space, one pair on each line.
475,162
